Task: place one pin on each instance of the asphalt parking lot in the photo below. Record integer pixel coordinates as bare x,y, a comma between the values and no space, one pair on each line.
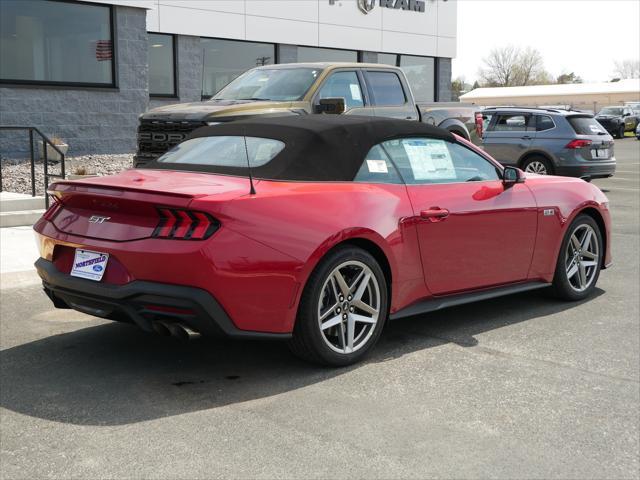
518,387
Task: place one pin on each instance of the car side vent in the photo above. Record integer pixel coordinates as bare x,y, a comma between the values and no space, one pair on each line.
185,225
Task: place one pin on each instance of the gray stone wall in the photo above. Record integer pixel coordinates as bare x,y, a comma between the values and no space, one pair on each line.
443,88
89,120
189,72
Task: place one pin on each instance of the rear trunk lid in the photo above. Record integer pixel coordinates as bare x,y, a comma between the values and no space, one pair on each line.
597,144
125,207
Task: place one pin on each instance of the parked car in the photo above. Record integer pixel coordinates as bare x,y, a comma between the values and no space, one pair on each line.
316,230
617,120
302,89
549,142
638,131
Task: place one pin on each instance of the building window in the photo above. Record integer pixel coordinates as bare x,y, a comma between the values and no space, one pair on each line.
388,59
314,54
53,42
421,74
225,60
162,66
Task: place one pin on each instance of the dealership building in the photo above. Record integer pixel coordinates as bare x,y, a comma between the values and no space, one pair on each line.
84,71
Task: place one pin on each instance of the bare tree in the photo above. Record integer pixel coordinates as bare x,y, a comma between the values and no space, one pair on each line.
530,68
511,66
500,67
627,69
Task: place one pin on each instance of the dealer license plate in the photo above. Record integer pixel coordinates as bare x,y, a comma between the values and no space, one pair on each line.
600,153
90,265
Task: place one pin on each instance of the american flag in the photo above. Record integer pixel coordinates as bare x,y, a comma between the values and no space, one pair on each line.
104,50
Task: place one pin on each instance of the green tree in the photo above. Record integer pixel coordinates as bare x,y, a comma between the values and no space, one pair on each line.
568,78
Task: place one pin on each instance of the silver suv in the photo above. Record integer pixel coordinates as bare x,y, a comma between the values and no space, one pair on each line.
549,141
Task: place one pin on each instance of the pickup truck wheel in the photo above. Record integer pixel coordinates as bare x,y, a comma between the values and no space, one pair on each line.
537,164
342,310
621,131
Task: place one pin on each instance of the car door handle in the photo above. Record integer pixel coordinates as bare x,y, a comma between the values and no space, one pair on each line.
526,137
434,214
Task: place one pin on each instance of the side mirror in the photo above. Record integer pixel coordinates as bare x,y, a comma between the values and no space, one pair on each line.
334,106
511,176
625,114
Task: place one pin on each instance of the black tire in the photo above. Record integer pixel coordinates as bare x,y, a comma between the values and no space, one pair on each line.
536,160
308,341
563,287
620,131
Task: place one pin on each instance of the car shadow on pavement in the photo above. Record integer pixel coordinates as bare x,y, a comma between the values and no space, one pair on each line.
115,374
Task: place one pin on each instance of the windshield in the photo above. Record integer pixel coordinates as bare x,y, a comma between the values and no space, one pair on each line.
282,84
610,111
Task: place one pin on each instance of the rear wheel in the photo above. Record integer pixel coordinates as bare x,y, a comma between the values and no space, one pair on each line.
579,261
343,309
538,164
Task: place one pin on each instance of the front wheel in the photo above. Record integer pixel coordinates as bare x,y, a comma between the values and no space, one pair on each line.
342,310
621,131
579,261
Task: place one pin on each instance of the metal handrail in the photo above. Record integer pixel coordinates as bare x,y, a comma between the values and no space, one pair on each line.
45,141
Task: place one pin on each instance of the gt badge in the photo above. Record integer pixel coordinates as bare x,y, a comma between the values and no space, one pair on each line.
549,212
98,219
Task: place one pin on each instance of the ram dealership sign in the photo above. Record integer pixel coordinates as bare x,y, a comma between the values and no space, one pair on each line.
366,6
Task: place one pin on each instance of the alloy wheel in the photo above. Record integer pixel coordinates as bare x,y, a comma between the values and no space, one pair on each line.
349,307
582,257
536,167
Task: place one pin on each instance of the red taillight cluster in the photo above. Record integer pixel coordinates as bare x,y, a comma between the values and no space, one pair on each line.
185,225
479,124
578,144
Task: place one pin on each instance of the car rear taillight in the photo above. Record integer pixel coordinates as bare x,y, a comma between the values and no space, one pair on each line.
578,143
479,124
185,225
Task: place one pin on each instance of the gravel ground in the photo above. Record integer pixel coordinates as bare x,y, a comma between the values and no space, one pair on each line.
16,176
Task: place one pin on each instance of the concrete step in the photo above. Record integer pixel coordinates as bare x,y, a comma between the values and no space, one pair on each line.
20,218
15,202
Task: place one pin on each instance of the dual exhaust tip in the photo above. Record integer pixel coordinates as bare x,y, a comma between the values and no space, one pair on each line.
175,329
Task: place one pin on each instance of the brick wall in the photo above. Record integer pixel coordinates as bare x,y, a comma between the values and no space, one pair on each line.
89,120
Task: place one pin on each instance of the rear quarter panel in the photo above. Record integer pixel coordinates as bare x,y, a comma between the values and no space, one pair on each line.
567,197
305,220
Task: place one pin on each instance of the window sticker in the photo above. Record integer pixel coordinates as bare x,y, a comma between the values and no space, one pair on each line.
355,92
429,159
595,128
377,166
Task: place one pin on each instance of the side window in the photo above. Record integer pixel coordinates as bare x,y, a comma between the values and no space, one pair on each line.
544,122
343,85
427,161
511,122
386,89
377,168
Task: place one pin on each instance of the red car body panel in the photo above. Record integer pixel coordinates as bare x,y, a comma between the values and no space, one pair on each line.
257,263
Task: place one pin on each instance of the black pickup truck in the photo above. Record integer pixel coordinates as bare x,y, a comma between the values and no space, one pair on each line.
303,89
617,120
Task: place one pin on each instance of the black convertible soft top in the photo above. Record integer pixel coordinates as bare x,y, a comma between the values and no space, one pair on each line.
317,147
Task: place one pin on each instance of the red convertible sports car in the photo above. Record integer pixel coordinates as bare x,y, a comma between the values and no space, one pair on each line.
317,230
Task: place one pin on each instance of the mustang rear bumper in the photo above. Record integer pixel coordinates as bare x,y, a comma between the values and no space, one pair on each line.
142,303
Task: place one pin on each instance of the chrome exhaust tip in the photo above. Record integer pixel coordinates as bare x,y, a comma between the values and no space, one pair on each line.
161,328
182,332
